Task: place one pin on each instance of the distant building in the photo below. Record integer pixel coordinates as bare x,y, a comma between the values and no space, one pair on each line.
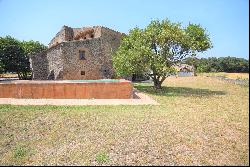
77,53
184,70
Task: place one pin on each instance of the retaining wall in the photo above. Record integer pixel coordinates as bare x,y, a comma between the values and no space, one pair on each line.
66,90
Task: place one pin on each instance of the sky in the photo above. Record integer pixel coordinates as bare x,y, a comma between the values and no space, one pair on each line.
226,21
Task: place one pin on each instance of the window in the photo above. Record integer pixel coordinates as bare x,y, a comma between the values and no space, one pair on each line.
82,72
82,55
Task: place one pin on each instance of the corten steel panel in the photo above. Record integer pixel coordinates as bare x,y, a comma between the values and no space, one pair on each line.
69,91
81,91
96,91
48,91
111,91
107,91
59,90
17,91
6,90
25,91
1,90
90,90
37,91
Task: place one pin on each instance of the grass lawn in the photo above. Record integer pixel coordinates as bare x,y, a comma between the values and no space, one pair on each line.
201,121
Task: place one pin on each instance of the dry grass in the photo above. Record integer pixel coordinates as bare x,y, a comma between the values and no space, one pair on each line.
8,75
201,121
228,75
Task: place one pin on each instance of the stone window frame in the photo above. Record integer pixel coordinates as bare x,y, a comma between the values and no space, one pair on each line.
83,73
79,54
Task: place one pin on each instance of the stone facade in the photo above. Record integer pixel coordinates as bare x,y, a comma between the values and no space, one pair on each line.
62,60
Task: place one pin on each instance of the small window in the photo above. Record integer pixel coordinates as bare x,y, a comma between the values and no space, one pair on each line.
92,36
82,72
82,55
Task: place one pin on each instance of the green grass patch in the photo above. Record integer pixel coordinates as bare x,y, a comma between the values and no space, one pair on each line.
102,157
20,152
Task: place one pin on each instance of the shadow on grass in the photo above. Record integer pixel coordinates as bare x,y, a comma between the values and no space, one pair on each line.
177,91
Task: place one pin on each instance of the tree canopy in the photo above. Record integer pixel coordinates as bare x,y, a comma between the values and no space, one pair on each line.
14,55
156,49
221,64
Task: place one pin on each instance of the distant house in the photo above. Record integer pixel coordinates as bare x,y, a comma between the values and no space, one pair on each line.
184,70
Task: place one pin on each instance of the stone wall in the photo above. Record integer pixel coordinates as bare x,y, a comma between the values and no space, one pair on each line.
47,65
68,34
55,62
98,52
65,34
62,60
110,42
91,66
39,66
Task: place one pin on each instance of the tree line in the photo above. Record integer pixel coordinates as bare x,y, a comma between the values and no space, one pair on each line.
14,55
220,64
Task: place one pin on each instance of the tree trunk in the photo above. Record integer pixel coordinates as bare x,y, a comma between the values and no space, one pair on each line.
19,76
157,84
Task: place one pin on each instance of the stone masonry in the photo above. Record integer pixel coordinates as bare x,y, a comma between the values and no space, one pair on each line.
62,60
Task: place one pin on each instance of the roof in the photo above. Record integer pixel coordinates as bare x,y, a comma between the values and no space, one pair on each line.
184,67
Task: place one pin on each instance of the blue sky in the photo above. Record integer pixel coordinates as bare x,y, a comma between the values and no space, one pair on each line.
227,21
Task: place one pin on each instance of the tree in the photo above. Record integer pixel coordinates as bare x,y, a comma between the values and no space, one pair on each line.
1,68
30,48
33,47
14,55
193,61
11,55
221,64
156,49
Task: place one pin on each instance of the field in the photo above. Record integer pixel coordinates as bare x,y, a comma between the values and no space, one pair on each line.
200,121
243,76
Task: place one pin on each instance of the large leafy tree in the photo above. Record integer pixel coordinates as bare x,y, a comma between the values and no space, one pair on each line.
30,48
11,55
14,55
156,49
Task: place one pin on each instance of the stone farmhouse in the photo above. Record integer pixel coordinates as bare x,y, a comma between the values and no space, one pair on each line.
77,54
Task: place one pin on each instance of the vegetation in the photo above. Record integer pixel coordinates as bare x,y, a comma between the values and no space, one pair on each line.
221,64
102,158
200,121
14,55
1,68
156,49
20,152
